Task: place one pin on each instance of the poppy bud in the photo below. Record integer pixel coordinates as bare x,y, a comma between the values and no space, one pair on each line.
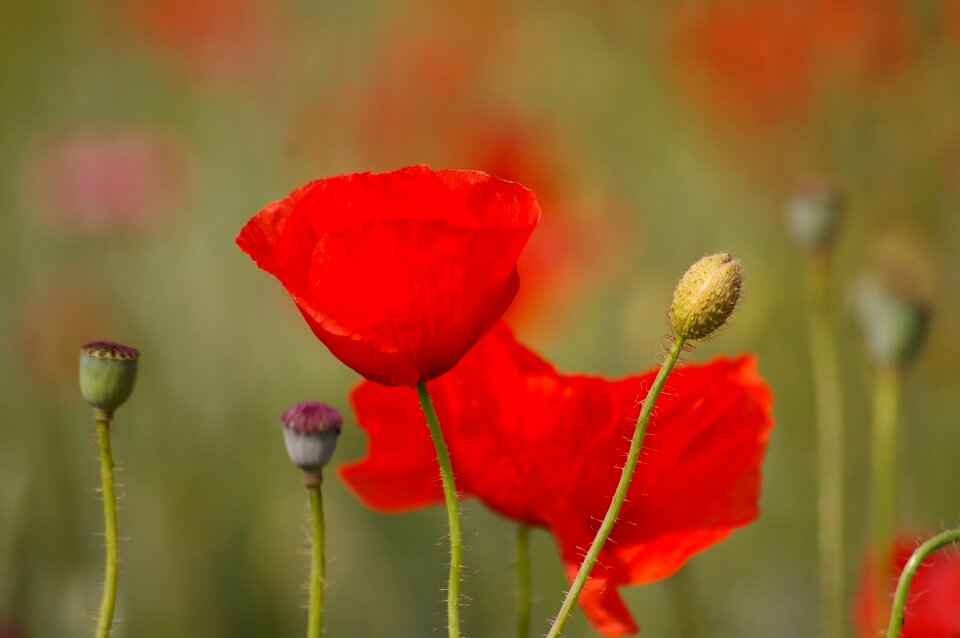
814,213
310,431
706,296
894,312
108,372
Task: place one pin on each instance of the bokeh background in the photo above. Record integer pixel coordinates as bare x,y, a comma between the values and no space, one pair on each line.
137,137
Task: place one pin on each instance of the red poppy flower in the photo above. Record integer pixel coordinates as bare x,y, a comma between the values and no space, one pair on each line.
544,448
933,607
397,273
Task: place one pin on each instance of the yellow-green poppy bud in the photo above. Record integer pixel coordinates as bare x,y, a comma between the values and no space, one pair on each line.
108,372
706,296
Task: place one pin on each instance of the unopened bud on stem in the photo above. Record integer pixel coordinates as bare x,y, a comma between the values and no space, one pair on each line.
706,296
894,311
310,431
813,215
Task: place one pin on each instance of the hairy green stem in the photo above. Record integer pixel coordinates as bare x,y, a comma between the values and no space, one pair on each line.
524,588
453,514
830,443
884,477
315,616
621,492
906,577
109,600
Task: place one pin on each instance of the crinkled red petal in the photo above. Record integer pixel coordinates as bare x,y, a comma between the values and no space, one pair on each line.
397,273
545,449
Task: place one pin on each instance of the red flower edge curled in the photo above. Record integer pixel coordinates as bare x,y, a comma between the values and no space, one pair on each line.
545,449
933,605
397,273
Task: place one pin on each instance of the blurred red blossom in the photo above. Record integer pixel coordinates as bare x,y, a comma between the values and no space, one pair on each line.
424,92
49,322
10,629
397,273
105,179
933,606
764,62
951,15
576,241
209,41
543,448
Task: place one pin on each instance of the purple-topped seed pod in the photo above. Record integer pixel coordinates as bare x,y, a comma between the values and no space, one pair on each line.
310,431
108,372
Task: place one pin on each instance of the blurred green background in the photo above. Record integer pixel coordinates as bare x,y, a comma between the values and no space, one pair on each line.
139,135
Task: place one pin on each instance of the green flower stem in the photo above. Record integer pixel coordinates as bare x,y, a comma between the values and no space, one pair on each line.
315,616
453,515
884,476
524,588
621,492
909,571
109,600
683,596
830,443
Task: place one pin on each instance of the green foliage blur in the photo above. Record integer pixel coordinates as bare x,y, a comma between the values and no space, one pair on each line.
137,138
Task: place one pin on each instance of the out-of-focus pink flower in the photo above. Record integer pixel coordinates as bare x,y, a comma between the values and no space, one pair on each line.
104,180
48,324
210,41
933,607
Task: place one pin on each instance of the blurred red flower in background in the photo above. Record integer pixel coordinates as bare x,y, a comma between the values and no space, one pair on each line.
397,273
219,41
576,242
49,322
933,606
544,449
11,629
763,62
102,180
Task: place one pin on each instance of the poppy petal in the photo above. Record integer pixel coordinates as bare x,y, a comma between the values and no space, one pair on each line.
398,273
604,606
400,469
544,448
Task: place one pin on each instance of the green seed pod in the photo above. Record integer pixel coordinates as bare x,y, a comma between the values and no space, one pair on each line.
894,313
108,372
814,213
706,296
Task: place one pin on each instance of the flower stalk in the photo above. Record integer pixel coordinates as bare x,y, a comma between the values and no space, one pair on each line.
909,571
112,561
633,455
108,374
453,514
310,433
884,471
830,444
524,588
314,483
703,300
